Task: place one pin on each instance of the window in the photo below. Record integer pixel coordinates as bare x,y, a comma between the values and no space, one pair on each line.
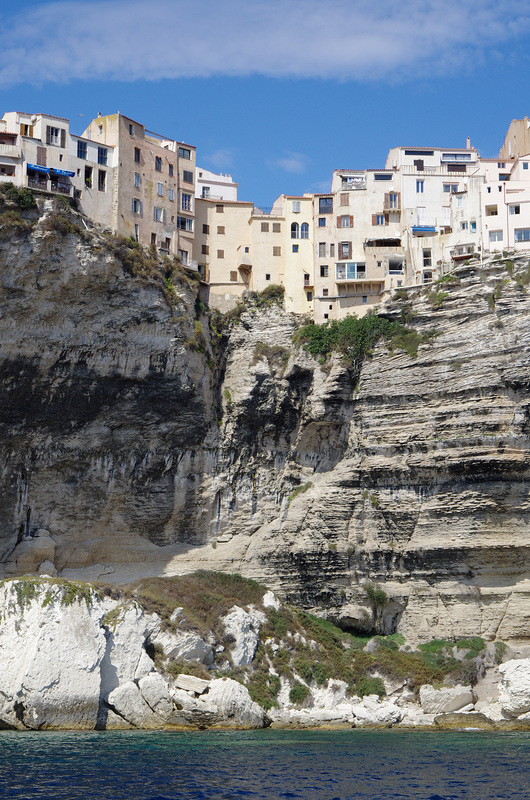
463,226
136,155
495,236
326,316
157,214
186,202
501,165
276,251
187,176
309,296
183,223
344,221
489,189
491,211
522,234
473,226
131,129
153,239
171,194
325,292
345,199
137,233
221,229
365,299
41,156
102,156
136,206
382,177
379,219
321,249
321,222
267,276
345,249
525,164
276,227
158,163
332,250
233,275
247,249
184,257
160,189
295,230
102,180
88,177
307,279
264,227
220,254
419,187
324,271
515,209
170,167
459,201
325,205
137,180
184,152
304,230
205,250
427,257
81,150
26,130
393,200
205,192
450,188
295,248
219,209
419,164
296,206
206,228
53,135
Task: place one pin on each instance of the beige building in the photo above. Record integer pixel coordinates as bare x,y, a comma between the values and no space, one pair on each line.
154,187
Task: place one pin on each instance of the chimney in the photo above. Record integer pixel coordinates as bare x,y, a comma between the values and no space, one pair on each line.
468,143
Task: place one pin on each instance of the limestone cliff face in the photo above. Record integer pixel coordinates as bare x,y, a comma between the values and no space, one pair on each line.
106,410
414,479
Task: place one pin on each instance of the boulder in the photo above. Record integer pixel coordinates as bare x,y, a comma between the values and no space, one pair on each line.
127,701
244,627
446,699
184,645
514,689
234,704
271,601
156,693
373,711
191,684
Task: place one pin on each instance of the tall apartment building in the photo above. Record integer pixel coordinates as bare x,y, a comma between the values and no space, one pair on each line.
154,190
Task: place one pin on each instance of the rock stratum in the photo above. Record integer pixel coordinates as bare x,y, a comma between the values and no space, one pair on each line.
393,500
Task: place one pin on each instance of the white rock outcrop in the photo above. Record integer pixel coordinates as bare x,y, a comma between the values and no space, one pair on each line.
243,627
446,699
514,690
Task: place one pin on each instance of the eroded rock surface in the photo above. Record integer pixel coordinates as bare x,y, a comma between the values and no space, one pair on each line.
123,456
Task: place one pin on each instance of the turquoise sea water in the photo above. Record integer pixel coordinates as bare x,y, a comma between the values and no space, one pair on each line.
313,765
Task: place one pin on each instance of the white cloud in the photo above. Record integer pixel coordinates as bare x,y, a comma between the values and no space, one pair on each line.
291,162
339,39
221,159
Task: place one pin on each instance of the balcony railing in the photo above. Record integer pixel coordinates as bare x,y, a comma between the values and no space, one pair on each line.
10,150
61,188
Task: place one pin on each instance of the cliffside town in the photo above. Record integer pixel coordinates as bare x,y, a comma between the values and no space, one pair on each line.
341,252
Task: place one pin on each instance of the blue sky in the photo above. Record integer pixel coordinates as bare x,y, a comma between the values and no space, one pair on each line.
276,93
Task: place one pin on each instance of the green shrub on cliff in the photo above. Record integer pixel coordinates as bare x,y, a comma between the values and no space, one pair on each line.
354,338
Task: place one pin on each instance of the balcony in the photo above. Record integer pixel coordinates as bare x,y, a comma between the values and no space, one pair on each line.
10,150
346,273
61,188
462,251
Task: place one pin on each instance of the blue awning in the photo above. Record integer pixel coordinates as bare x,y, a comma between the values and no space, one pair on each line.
38,168
424,229
62,172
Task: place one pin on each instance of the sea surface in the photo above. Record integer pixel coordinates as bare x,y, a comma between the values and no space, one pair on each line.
313,765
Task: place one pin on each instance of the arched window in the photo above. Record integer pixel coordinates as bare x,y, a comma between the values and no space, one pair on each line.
304,231
295,231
